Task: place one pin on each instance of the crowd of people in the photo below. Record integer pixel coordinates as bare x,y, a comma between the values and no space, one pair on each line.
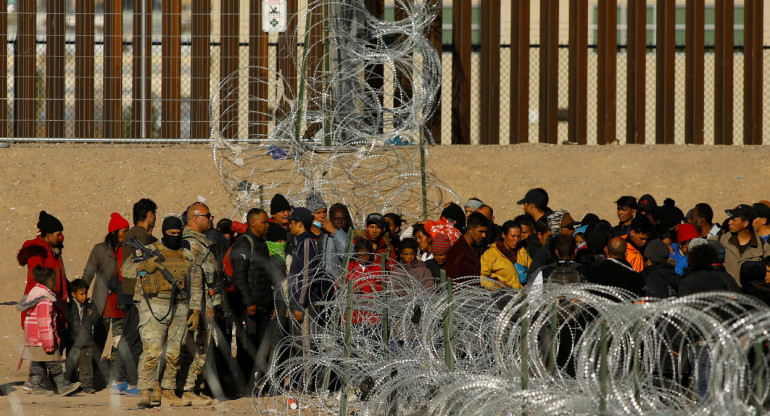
175,305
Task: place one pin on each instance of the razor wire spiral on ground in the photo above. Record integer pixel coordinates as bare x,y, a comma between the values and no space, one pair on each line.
351,129
563,349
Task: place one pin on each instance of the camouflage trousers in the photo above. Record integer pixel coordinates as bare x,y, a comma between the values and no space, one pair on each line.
167,333
196,343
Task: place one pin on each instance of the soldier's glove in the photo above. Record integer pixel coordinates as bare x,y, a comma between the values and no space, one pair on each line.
193,320
150,265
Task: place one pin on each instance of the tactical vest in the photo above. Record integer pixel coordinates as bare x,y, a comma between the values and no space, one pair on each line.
155,285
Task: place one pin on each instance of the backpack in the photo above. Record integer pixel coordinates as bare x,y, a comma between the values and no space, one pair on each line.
227,266
565,273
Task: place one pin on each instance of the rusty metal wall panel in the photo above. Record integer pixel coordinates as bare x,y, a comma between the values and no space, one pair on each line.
54,69
520,24
549,71
113,68
375,74
200,70
3,68
84,69
490,72
753,83
258,91
636,93
461,72
664,81
608,72
578,71
171,69
403,77
723,72
694,73
229,62
136,130
433,33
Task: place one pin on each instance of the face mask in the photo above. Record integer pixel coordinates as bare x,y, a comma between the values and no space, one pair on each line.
172,242
317,224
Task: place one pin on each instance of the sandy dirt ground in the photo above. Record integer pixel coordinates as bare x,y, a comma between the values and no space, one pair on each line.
82,185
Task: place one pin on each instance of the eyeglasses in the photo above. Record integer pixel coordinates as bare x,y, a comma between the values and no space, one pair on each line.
207,215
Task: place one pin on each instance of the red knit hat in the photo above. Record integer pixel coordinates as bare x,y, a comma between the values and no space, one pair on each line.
116,222
686,232
440,244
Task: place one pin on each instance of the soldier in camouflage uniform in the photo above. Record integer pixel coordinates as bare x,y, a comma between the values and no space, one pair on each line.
204,262
163,311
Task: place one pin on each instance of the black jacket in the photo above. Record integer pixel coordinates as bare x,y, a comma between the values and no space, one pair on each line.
617,273
81,328
540,254
252,272
697,281
661,280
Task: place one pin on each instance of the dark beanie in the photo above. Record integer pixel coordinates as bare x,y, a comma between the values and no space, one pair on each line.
596,240
279,204
172,223
275,233
456,213
48,224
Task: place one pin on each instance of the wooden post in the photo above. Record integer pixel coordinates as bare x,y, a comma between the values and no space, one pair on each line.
172,68
84,69
4,69
200,70
461,72
753,84
433,32
637,72
228,64
723,72
694,80
136,130
608,72
665,85
578,71
549,71
490,72
519,130
113,68
54,69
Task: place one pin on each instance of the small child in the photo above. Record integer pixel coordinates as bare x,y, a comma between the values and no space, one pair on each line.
440,247
367,279
81,318
41,344
414,266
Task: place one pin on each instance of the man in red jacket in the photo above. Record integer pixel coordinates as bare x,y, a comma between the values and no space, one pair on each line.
463,264
45,251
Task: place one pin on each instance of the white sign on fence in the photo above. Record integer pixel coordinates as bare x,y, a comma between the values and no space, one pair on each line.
274,16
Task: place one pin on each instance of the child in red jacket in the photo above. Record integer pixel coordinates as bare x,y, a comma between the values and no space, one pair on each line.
41,342
367,279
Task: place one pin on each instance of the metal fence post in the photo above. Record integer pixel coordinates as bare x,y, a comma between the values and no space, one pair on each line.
608,72
694,81
549,72
636,88
578,71
519,75
723,72
490,72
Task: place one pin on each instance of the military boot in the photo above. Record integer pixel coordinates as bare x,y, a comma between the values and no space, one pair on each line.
144,399
169,398
196,399
156,395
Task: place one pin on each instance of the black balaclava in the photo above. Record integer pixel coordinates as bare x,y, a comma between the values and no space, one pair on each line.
172,223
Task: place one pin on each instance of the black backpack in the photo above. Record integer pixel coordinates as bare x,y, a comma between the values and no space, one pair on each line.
565,272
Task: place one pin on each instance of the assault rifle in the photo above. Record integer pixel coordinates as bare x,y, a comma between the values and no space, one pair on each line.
147,254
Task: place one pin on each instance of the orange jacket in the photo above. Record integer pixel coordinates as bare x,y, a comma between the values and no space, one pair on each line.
634,256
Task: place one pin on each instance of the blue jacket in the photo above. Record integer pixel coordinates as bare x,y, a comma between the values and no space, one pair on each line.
681,259
306,279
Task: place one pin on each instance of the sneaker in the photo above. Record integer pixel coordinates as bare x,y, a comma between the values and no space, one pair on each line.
89,390
119,388
39,390
68,388
132,391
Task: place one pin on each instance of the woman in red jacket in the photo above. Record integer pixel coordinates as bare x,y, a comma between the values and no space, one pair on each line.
45,251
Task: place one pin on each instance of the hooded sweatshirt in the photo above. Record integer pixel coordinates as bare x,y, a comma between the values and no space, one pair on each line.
39,317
